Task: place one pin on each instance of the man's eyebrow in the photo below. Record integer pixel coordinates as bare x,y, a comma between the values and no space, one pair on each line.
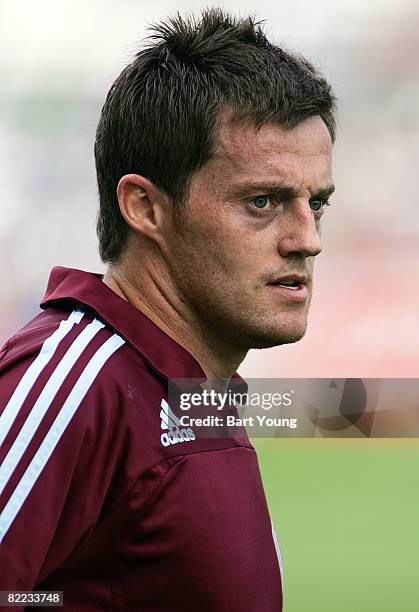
325,192
282,191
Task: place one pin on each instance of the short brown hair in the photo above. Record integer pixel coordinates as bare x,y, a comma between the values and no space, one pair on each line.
161,114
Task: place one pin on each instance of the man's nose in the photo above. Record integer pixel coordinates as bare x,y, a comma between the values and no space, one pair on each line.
300,233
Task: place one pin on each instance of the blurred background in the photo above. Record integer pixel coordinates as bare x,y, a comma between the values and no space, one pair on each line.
345,511
58,60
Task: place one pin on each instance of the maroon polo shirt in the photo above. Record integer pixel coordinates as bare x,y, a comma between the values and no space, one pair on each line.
98,498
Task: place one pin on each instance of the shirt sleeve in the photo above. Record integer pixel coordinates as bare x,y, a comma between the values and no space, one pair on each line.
59,446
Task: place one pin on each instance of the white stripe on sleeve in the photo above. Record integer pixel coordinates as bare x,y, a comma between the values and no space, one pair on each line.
27,381
57,429
44,401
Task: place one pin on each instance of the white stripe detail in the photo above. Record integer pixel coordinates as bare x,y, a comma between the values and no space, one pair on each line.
29,378
175,422
57,429
168,417
278,552
45,399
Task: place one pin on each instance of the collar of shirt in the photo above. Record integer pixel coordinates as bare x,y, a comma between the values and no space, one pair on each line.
160,351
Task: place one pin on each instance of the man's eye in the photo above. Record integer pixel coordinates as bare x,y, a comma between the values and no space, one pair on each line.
261,202
318,205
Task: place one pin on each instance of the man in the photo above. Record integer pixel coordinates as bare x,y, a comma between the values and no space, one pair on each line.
213,156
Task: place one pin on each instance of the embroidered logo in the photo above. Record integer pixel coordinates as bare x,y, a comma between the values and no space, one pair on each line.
173,431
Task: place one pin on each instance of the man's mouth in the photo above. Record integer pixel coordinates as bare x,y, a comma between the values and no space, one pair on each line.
292,286
289,285
291,281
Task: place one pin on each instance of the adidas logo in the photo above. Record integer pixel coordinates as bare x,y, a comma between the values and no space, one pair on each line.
171,422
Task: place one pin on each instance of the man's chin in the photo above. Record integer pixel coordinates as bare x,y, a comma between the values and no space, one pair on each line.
271,338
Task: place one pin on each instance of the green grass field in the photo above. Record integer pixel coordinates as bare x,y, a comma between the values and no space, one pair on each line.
347,517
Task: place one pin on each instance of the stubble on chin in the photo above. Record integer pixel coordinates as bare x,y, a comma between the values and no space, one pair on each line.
277,338
253,334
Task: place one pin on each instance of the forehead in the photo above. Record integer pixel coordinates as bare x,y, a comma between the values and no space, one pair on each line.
298,156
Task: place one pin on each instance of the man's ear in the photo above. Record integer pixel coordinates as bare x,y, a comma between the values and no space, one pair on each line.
143,205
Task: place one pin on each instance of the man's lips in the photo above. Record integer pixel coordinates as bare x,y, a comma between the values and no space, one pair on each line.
292,287
290,280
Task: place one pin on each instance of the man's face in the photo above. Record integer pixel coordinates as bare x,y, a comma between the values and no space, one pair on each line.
242,254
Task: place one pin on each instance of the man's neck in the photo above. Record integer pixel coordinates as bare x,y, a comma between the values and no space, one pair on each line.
217,362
